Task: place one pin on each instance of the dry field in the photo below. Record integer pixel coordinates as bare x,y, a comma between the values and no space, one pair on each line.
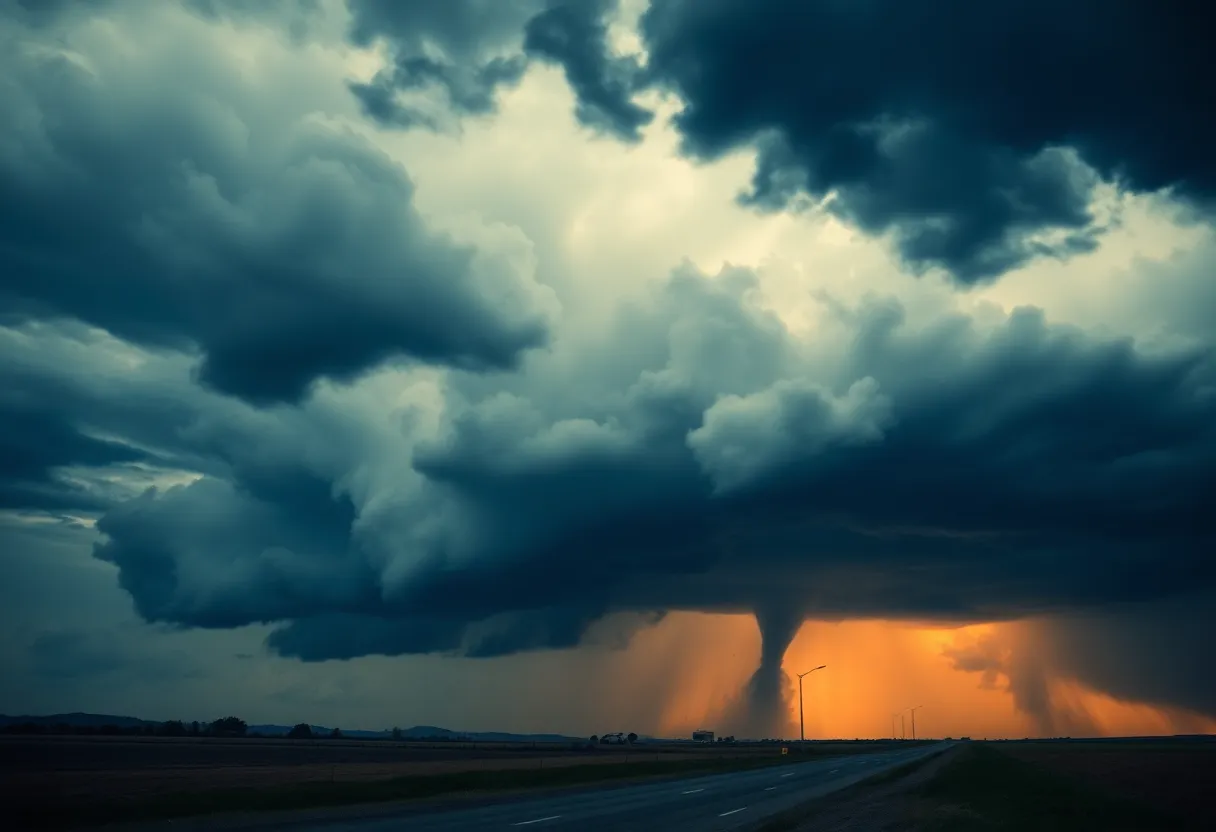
1177,776
124,767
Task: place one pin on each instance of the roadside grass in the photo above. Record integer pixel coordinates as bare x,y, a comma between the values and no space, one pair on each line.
985,789
82,812
800,815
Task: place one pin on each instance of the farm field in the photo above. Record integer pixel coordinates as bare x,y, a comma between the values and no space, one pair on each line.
41,772
1177,777
1061,785
133,767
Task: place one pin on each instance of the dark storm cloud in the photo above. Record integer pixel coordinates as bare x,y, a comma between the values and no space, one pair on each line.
574,34
190,214
1158,652
466,48
214,555
941,122
34,442
346,636
469,49
952,471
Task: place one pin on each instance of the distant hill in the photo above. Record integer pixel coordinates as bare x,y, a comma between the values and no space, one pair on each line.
430,731
418,732
77,720
318,730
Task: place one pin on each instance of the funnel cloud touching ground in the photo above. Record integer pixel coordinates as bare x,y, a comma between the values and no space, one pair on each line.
304,363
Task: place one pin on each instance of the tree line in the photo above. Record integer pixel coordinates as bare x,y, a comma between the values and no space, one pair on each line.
228,726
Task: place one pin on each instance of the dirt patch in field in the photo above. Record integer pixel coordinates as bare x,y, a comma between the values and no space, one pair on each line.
1179,778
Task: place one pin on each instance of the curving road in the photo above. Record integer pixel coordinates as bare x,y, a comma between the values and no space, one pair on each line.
710,803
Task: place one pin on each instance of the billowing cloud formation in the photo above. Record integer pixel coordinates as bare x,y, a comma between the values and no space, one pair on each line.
943,122
574,33
194,213
1012,468
1152,652
466,50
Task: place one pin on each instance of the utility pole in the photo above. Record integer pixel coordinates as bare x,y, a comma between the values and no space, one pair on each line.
903,728
801,723
914,710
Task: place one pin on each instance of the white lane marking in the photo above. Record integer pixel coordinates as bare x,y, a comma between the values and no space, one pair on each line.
538,820
788,774
770,788
732,811
692,791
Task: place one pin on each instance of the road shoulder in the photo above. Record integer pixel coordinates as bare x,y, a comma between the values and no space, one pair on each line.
873,803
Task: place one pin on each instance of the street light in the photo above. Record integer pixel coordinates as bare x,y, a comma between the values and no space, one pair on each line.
894,733
801,724
914,710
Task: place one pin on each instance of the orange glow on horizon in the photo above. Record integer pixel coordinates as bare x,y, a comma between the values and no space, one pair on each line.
875,669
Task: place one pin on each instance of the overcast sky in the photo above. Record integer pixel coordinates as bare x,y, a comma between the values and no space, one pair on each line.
574,365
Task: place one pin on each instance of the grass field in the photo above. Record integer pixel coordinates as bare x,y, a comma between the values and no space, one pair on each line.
1178,778
995,788
1072,785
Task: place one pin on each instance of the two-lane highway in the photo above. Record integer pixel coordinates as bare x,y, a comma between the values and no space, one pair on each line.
711,803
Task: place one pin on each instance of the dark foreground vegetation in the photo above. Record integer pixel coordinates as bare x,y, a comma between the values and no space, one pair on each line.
1149,786
987,789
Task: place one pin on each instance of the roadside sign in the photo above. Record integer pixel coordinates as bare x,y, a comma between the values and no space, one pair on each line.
785,750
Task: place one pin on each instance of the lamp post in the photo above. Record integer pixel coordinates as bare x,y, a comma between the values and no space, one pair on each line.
801,723
914,710
894,733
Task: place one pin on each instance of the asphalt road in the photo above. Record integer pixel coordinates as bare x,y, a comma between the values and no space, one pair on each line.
737,800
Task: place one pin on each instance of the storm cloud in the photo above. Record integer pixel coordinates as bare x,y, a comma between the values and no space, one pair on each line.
191,214
451,59
1007,470
946,124
1153,652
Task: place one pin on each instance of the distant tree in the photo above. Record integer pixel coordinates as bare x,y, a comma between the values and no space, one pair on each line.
397,734
595,738
195,728
303,731
632,738
229,726
173,728
335,734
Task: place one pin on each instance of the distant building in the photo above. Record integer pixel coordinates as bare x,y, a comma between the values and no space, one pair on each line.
702,736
